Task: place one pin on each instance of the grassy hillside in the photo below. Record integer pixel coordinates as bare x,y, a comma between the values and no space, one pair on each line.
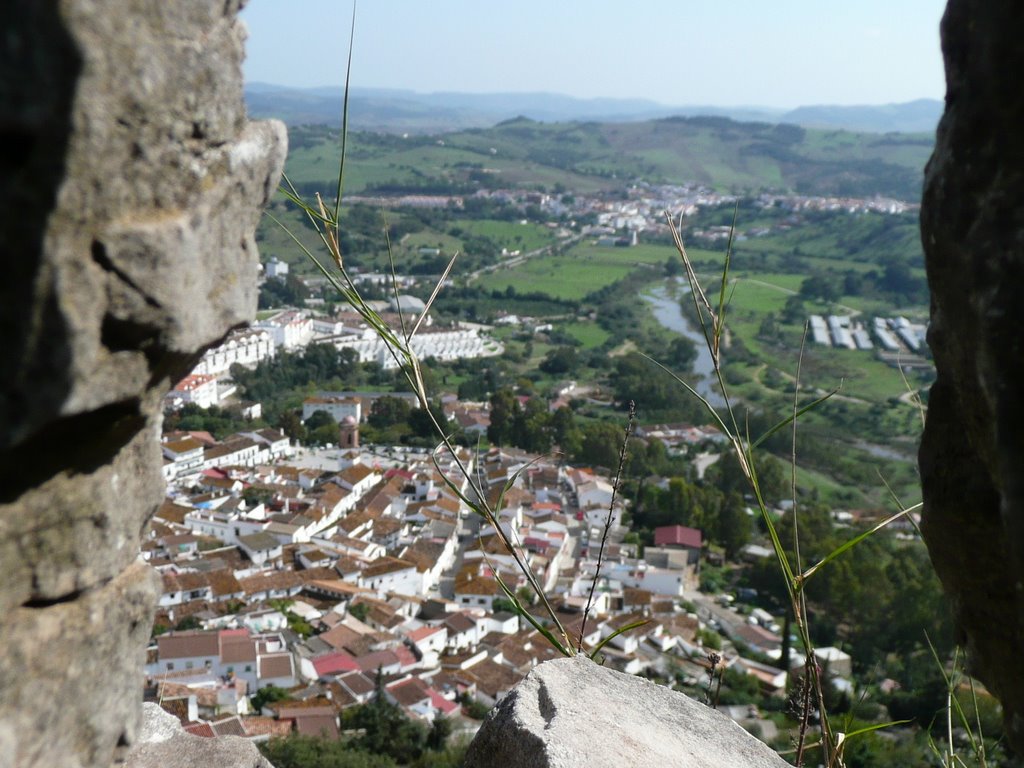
584,157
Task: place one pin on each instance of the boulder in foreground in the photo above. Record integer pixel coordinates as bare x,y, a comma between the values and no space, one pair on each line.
572,712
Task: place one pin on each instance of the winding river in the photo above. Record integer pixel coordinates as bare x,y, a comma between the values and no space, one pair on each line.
664,303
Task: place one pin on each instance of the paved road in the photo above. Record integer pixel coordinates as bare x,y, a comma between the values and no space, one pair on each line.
517,260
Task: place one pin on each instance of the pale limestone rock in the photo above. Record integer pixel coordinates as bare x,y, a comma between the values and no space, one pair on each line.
163,744
571,713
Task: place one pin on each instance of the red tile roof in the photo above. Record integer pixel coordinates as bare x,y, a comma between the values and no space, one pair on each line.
277,665
677,536
200,729
333,663
183,645
322,725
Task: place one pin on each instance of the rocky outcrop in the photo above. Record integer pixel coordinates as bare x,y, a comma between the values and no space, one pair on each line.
572,712
130,186
972,452
163,744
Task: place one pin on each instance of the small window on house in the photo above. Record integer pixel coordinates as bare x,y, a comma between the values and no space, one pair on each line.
170,666
188,665
248,667
465,599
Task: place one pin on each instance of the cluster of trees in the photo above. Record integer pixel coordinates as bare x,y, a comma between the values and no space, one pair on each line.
716,505
219,422
275,292
396,420
317,365
387,738
876,599
391,420
656,394
721,517
319,429
531,426
896,283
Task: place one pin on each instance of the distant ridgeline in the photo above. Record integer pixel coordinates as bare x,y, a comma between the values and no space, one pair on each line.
718,152
401,111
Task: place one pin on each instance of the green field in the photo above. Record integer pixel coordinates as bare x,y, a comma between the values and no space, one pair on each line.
763,293
589,335
512,235
582,269
769,267
586,157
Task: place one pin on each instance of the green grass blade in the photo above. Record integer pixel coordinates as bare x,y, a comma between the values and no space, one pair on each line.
344,115
707,405
875,727
953,701
394,278
616,633
719,324
433,295
855,541
564,649
331,277
780,552
794,416
515,476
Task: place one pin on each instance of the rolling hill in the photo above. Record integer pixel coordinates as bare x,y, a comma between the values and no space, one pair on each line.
401,111
587,156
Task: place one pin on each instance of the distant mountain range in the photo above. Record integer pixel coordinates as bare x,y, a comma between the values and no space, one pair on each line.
399,111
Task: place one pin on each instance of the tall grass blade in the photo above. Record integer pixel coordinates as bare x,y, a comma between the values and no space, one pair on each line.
433,294
604,641
608,521
855,541
794,416
720,320
344,116
565,650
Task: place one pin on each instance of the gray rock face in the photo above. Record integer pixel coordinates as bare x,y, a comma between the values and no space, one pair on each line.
570,713
163,744
972,452
129,191
73,670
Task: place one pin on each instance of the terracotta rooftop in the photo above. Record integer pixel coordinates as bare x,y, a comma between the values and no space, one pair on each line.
384,565
183,645
677,536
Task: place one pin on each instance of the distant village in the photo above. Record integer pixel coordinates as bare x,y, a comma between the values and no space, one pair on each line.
327,572
644,206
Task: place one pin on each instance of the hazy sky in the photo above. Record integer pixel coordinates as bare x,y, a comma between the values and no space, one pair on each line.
778,53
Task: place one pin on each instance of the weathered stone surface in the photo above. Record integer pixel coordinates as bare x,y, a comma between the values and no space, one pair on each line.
572,712
163,744
147,153
70,673
76,530
130,187
972,452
